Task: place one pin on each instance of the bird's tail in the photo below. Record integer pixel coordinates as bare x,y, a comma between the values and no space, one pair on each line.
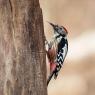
50,77
52,72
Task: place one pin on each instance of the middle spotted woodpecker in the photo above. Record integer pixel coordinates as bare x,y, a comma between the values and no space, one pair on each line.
57,50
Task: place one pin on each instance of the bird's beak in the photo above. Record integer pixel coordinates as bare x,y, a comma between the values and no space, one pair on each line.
52,24
54,27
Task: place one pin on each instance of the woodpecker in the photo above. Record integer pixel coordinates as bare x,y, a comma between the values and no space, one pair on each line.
57,50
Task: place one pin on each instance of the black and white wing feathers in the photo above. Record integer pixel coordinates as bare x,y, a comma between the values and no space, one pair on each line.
61,54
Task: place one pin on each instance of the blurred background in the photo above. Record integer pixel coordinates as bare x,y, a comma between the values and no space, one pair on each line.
77,77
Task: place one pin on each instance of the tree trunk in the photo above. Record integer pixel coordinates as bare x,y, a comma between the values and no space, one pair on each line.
22,54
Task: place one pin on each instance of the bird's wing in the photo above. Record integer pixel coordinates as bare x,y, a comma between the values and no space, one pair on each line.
60,59
61,54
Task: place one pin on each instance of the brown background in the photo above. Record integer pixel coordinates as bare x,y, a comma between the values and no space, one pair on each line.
77,76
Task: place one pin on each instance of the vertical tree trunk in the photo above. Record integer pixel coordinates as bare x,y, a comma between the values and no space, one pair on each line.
22,54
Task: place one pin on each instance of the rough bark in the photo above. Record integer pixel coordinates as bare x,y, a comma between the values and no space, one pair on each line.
22,54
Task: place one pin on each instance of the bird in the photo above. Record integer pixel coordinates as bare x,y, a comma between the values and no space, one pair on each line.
56,50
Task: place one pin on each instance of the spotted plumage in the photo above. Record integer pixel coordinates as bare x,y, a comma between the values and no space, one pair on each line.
61,54
57,50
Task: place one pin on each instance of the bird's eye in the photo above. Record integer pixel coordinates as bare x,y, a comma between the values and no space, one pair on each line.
61,28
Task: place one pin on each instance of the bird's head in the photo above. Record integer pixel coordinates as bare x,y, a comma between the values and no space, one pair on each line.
59,30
